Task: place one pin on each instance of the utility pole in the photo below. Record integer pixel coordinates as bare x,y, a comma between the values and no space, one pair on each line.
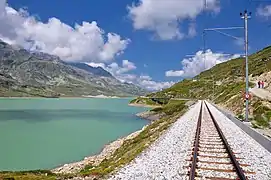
246,16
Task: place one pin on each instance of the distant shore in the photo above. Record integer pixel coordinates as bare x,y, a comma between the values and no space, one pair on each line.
144,105
100,96
62,97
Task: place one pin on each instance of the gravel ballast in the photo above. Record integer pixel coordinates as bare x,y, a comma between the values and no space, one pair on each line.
253,153
166,158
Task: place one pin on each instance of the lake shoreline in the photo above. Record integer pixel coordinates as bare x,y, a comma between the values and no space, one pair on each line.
106,152
143,105
108,149
63,97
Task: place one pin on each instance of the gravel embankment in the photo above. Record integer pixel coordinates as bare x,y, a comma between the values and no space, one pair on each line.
253,153
164,159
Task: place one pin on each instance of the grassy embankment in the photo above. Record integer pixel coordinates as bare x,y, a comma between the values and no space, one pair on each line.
224,85
149,102
28,175
126,153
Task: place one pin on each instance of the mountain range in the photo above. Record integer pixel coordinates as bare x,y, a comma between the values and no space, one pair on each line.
25,73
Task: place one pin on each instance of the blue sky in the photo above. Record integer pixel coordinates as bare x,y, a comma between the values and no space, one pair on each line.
147,36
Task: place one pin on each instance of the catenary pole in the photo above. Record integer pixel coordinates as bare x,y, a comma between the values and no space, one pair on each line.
245,16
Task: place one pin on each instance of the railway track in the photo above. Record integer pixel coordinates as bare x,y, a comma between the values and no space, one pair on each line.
212,157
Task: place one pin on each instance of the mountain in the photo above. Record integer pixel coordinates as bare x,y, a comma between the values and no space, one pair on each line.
99,71
224,84
23,73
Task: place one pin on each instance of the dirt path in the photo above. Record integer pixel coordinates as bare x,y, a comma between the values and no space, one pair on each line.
261,93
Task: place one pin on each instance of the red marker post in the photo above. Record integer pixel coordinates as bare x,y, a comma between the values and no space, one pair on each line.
247,96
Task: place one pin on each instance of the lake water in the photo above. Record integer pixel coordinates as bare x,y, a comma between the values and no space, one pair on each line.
44,133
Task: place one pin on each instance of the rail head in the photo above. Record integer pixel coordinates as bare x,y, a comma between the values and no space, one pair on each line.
192,173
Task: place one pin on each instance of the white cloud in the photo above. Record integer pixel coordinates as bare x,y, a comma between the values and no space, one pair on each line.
117,70
172,73
195,65
123,73
164,16
147,82
155,86
97,65
264,11
114,46
86,42
128,65
129,78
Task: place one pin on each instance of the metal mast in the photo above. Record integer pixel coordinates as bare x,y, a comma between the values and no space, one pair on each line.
245,16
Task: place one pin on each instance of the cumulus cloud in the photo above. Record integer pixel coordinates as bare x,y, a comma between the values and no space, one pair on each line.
146,82
154,85
84,42
124,74
264,11
172,73
120,70
200,62
164,16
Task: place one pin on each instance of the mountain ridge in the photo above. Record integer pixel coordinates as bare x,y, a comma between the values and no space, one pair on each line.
24,73
99,71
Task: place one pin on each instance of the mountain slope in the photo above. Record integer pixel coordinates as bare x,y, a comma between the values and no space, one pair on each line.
224,85
94,70
38,74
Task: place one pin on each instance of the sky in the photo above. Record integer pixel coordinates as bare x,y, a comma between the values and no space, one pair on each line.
152,43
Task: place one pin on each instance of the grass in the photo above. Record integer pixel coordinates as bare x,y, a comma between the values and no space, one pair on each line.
28,175
145,101
262,115
170,108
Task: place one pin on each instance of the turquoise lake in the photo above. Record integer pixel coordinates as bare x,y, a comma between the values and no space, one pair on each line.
42,133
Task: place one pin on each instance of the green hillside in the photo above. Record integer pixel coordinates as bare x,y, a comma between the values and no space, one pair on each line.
224,85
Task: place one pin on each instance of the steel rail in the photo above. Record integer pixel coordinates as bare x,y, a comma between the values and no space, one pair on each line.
235,163
192,173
